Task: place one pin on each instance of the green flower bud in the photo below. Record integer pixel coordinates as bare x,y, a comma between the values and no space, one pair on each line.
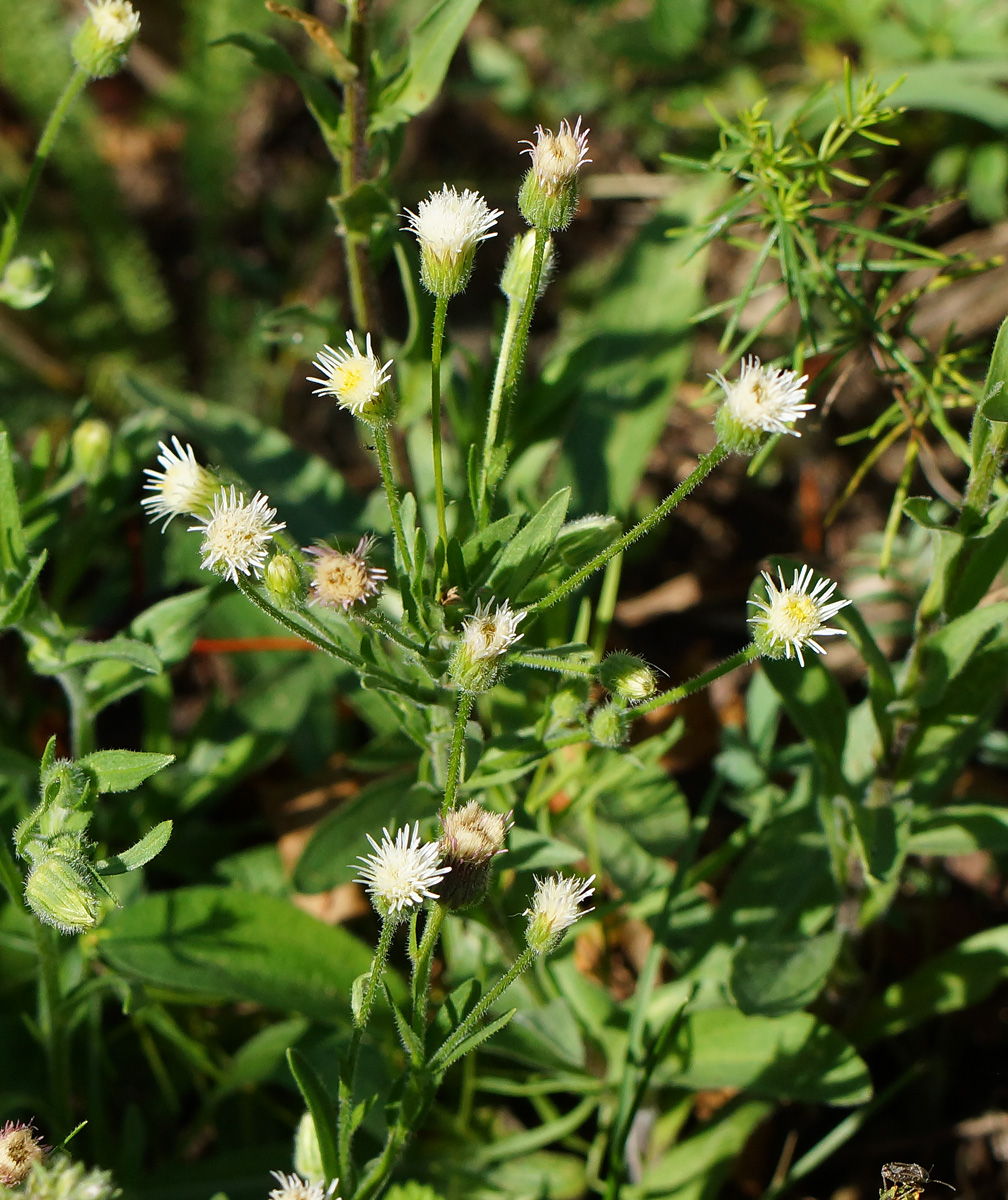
89,449
568,704
61,892
627,677
608,726
307,1155
517,273
283,581
101,43
27,280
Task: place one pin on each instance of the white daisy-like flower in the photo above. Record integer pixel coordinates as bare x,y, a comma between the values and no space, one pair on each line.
764,399
115,21
557,157
237,534
791,618
342,580
486,635
293,1187
555,906
355,380
401,873
181,488
449,225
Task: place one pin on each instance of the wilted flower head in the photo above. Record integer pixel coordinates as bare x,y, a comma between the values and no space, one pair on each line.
449,226
293,1187
762,400
555,906
549,193
400,874
355,380
237,534
341,580
100,44
181,488
20,1149
471,837
791,618
485,637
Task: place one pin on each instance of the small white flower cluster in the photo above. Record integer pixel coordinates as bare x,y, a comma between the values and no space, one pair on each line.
341,580
181,488
293,1187
557,157
762,400
237,534
486,636
556,905
449,225
791,618
401,873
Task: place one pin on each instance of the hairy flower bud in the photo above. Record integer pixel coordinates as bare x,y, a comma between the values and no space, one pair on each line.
517,273
101,43
548,198
608,726
627,677
61,891
90,444
283,581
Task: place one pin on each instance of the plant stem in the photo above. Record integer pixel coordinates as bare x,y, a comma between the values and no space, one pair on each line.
674,695
547,662
51,1019
462,711
10,876
385,467
700,472
493,415
349,1073
422,973
521,963
440,313
516,360
982,478
606,604
354,166
82,730
381,624
12,227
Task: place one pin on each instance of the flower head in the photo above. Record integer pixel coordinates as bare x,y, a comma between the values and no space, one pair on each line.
401,874
549,193
627,677
342,580
237,534
293,1187
472,836
20,1149
100,44
181,488
762,400
791,618
355,380
555,906
485,638
449,226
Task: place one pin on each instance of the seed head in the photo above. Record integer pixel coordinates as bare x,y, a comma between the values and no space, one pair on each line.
342,580
293,1187
791,618
555,906
449,226
356,380
471,837
762,400
401,873
20,1149
237,534
181,488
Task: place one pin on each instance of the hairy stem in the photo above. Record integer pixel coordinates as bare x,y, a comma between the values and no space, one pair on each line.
493,415
462,711
440,312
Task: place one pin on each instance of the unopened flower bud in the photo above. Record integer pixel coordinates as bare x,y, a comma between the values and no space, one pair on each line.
549,193
61,892
476,664
282,578
627,677
568,703
471,838
101,43
608,726
89,449
307,1155
517,273
27,280
20,1149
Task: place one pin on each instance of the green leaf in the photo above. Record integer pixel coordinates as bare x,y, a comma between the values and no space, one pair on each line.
15,608
13,549
171,625
239,946
523,555
117,649
327,860
410,1041
319,1104
816,705
947,983
139,853
792,1057
474,1040
776,977
946,653
961,829
531,851
123,770
432,46
994,399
